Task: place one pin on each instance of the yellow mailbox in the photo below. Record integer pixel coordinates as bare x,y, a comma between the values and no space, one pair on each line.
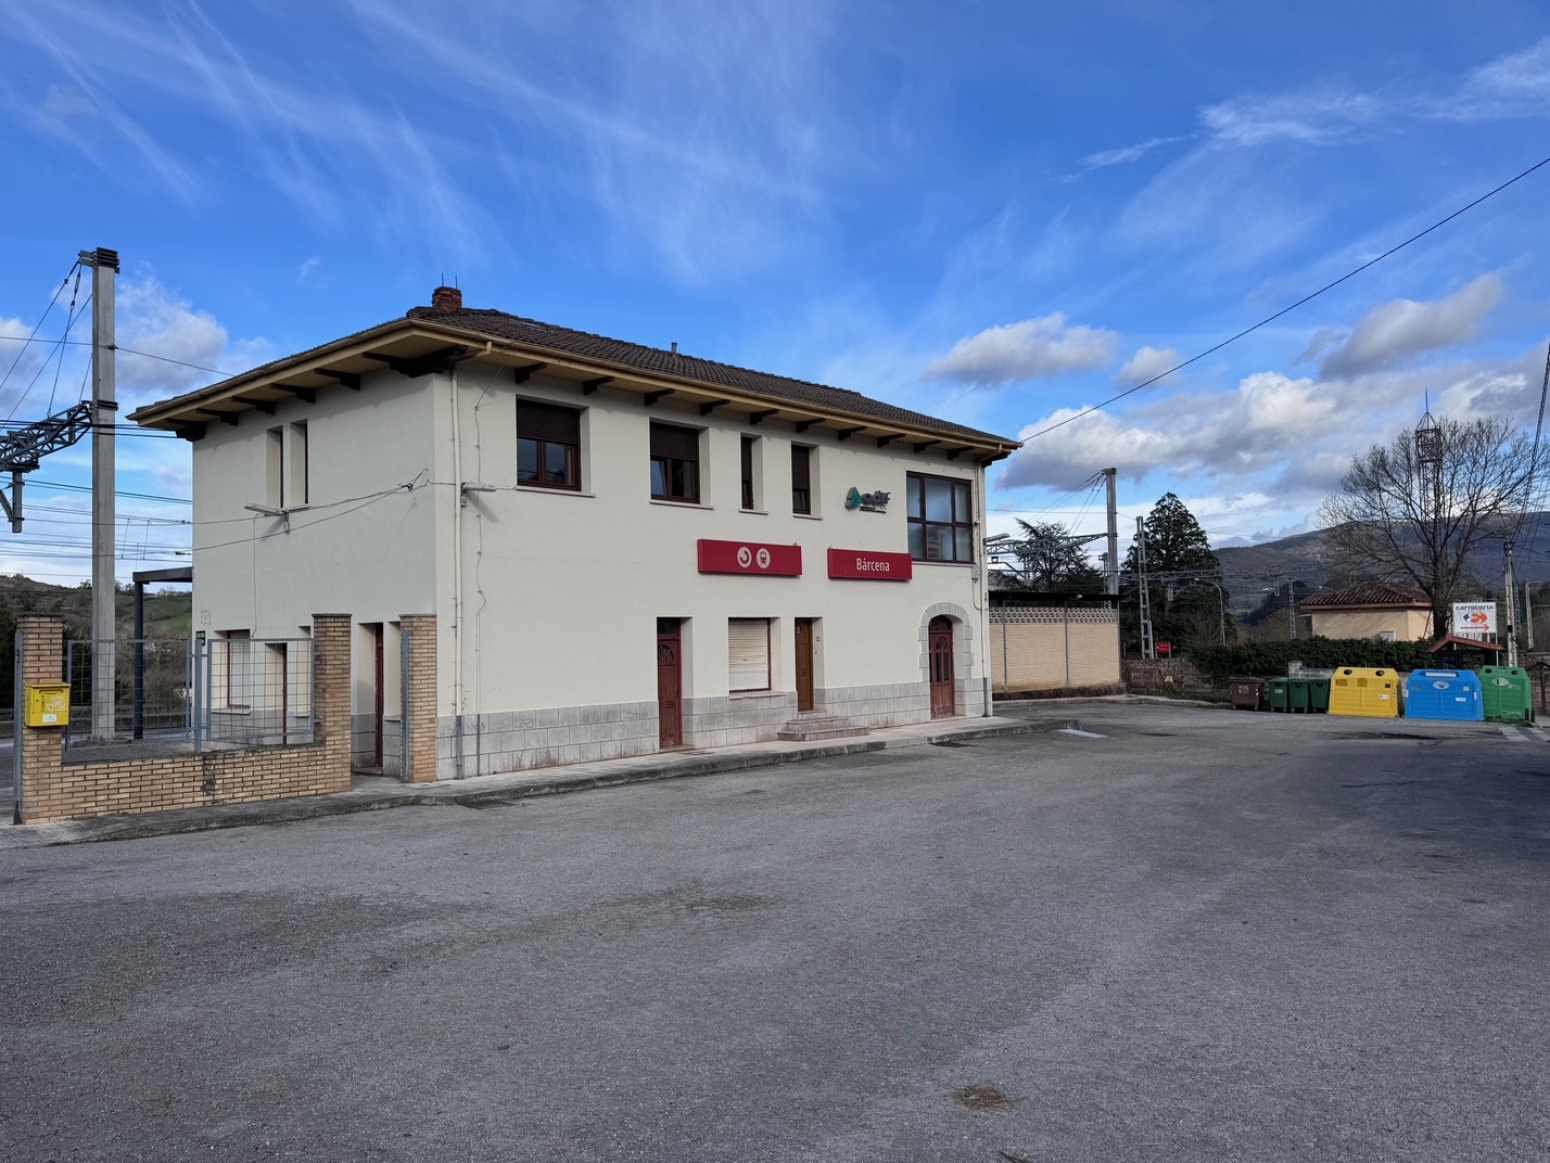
48,704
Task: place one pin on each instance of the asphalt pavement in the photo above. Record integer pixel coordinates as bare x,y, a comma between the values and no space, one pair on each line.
1181,934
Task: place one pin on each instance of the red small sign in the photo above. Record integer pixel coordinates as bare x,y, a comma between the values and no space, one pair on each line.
867,565
1164,649
750,557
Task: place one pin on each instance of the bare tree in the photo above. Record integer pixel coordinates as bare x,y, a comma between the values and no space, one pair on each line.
1405,518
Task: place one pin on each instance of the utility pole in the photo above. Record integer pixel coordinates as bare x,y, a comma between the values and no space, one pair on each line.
104,582
1510,594
1528,621
1291,610
1113,570
1148,647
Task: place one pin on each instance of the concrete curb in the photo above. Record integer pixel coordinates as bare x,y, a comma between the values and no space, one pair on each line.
458,794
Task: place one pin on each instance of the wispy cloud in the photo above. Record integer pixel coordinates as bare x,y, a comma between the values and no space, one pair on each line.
1035,349
1314,118
164,324
1399,331
1126,154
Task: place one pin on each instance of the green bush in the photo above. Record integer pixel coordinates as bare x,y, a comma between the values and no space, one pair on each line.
1219,663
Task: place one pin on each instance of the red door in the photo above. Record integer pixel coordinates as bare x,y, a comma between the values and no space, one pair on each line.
670,716
941,638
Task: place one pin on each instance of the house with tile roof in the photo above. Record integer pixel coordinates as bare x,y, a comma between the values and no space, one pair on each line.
624,548
1371,610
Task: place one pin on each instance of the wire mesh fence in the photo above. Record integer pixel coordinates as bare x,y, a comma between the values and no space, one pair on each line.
140,689
252,692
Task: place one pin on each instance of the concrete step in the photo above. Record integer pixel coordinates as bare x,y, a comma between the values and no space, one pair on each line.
816,725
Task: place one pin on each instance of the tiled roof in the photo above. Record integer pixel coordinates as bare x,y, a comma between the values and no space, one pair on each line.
500,325
1370,594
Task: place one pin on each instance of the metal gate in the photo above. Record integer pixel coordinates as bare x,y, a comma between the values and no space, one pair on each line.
146,691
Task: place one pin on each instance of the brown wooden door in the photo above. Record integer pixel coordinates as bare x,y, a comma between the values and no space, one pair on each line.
670,714
804,664
941,636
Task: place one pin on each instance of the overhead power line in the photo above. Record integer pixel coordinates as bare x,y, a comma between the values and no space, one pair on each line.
198,367
1441,222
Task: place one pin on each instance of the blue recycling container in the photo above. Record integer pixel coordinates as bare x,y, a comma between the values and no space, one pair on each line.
1451,695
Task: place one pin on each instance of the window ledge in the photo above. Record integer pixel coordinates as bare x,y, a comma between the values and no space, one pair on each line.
680,504
808,516
756,512
756,694
551,492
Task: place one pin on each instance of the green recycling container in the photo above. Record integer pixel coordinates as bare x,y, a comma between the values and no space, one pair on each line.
1297,694
1318,695
1509,694
1279,694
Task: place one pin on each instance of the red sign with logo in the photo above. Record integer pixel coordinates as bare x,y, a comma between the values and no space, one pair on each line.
865,565
750,557
1164,649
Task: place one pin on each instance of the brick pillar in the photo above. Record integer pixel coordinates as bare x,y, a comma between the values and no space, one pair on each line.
331,694
44,792
420,763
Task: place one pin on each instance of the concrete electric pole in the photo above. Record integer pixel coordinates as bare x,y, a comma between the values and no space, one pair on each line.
1509,593
104,581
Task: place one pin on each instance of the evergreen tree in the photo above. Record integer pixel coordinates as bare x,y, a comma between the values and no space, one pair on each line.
1052,562
1186,609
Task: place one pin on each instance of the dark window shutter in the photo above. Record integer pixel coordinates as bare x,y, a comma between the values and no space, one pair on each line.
677,443
548,422
801,476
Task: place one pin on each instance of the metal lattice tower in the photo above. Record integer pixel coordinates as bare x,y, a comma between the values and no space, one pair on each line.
1148,646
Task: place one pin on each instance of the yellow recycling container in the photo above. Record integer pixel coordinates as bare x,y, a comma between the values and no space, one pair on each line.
1371,693
48,704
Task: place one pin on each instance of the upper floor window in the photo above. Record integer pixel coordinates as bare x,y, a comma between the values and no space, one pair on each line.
748,459
548,446
941,518
675,463
801,479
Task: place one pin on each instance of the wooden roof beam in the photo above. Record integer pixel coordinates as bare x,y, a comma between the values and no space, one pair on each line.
265,406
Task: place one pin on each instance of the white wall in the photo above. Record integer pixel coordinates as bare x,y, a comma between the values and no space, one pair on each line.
560,591
369,558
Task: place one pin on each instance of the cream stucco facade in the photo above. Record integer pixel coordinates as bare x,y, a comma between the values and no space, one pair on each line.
398,495
1405,625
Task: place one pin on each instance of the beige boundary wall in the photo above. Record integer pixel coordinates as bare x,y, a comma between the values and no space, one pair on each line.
54,789
1028,649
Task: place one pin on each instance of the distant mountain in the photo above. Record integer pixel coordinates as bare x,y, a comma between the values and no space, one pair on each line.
168,613
1250,570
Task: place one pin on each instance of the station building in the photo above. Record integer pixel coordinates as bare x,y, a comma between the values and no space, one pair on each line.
625,549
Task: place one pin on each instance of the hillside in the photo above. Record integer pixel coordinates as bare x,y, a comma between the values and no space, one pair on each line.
1250,570
168,613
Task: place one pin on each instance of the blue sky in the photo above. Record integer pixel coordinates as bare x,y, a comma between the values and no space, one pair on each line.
996,212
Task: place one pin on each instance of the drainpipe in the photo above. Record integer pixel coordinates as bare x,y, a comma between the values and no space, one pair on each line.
457,582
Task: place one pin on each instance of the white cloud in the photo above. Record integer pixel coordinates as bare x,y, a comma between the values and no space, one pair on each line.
1292,438
309,269
1035,349
168,328
1311,118
1398,331
1147,363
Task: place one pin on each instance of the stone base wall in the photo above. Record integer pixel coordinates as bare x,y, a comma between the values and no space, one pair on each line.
521,740
729,720
885,705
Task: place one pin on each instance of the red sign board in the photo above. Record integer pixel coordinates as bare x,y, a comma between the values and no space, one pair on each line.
1164,649
867,565
750,557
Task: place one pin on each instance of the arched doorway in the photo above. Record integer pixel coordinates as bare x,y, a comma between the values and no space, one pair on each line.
940,651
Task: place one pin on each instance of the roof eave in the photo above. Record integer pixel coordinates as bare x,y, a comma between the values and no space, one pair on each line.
195,408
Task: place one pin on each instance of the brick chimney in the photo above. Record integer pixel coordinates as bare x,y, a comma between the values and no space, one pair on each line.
446,299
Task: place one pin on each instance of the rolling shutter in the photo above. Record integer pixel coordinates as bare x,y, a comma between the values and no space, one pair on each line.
548,422
748,654
675,443
801,472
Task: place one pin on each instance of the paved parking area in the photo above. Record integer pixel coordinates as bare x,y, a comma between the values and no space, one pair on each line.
1187,934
